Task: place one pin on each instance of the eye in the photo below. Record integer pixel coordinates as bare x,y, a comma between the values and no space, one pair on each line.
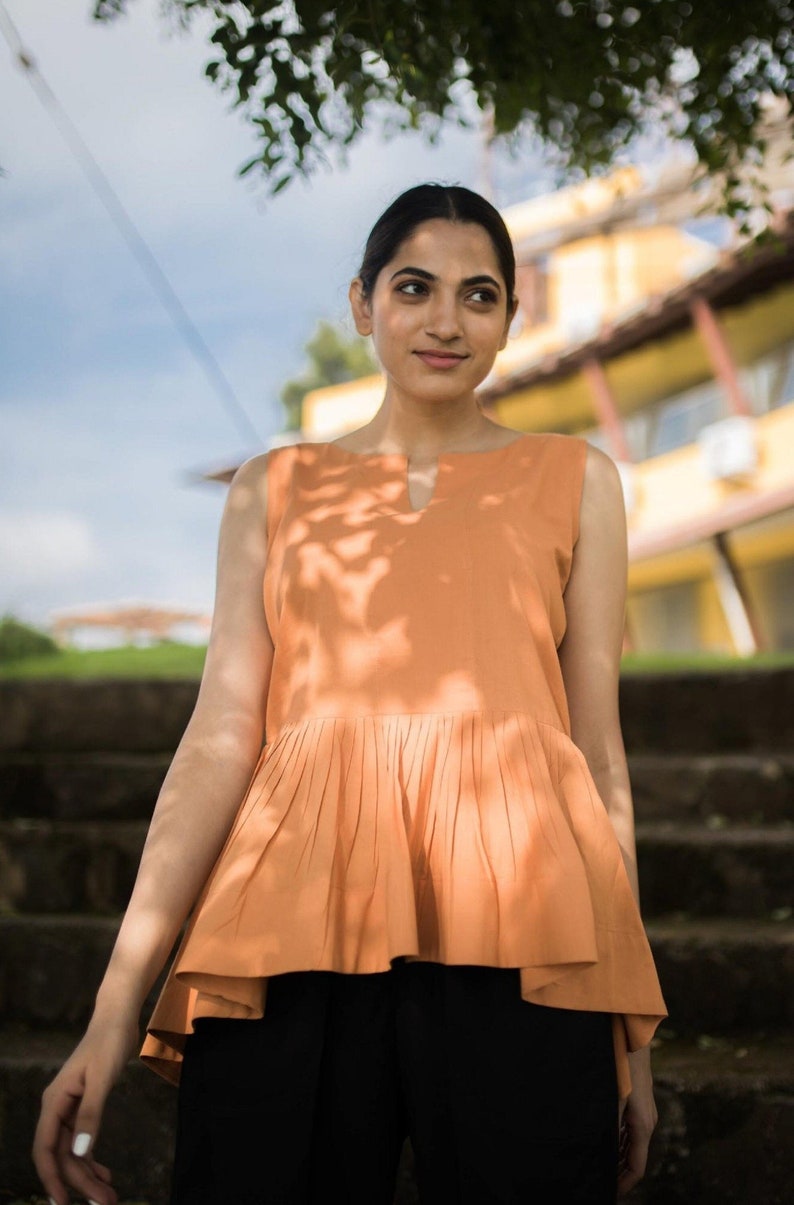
483,296
412,288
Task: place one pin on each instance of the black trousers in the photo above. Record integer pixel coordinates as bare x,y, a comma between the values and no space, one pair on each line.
503,1101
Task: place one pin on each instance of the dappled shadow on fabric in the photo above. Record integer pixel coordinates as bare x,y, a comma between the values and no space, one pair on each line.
419,793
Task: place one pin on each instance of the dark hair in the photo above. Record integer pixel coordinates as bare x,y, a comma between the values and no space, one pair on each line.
422,204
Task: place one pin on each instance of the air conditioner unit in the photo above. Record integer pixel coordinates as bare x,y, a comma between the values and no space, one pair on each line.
728,448
581,325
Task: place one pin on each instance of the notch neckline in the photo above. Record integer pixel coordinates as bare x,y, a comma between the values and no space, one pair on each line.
404,457
401,505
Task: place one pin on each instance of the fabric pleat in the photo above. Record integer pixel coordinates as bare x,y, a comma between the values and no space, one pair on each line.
473,839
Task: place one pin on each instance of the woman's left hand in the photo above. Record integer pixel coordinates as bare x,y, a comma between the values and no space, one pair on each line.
639,1117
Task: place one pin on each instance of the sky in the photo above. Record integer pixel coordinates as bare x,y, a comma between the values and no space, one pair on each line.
104,412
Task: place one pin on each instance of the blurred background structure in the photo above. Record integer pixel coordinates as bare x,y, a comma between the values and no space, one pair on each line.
650,325
135,623
651,328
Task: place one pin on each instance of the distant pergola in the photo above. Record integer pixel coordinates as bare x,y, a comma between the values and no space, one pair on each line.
133,619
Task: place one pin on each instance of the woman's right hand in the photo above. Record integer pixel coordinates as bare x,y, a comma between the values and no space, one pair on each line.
72,1105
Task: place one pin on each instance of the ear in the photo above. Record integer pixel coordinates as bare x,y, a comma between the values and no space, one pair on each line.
360,307
511,313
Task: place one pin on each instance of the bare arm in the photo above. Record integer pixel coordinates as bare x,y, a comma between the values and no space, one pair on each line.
595,600
195,809
213,762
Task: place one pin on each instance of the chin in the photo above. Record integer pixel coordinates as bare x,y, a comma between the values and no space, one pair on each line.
440,388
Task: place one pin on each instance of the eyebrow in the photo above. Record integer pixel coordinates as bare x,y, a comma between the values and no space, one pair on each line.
470,280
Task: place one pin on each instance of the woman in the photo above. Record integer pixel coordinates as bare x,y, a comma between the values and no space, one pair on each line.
417,906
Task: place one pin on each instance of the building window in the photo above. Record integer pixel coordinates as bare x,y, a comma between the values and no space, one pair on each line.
678,421
666,619
674,422
769,382
770,582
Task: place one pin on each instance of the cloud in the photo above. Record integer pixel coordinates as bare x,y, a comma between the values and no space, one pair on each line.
44,547
103,407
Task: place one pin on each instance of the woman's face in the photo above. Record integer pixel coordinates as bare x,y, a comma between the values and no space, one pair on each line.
439,311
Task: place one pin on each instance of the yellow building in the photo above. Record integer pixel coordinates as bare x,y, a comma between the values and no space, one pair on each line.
676,357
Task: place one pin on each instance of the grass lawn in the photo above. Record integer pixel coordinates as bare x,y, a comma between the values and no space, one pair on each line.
167,660
170,660
672,662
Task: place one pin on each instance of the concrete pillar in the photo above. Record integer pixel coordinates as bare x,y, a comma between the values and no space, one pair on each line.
733,596
720,355
606,408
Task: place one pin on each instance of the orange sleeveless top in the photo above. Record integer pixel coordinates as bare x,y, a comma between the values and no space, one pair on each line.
419,792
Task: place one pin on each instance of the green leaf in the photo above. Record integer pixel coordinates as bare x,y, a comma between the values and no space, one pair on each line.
536,63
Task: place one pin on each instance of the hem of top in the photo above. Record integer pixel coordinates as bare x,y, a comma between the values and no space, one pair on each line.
167,1061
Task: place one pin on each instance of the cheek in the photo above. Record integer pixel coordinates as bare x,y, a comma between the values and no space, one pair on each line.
394,329
487,337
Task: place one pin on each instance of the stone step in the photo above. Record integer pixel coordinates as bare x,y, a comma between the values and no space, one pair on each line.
718,976
726,1122
695,711
57,866
713,711
96,715
51,967
63,866
81,786
731,788
715,871
724,1137
741,788
137,1135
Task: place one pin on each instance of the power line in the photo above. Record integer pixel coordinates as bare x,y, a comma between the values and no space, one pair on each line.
129,232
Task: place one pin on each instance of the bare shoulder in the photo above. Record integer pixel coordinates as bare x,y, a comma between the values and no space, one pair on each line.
248,486
252,470
602,489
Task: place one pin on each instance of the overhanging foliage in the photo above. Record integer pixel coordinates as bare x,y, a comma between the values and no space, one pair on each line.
587,75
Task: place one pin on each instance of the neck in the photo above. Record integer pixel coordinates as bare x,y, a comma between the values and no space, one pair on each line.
422,434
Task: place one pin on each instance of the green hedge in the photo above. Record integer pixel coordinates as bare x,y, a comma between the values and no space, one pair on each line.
18,641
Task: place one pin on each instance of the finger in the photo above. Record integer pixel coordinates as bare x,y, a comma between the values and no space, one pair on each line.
99,1170
88,1119
636,1162
56,1114
623,1146
79,1174
625,1185
627,1182
102,1173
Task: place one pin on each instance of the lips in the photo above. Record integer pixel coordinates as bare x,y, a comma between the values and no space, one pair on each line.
440,359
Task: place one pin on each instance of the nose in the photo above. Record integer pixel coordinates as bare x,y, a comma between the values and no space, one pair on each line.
443,318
